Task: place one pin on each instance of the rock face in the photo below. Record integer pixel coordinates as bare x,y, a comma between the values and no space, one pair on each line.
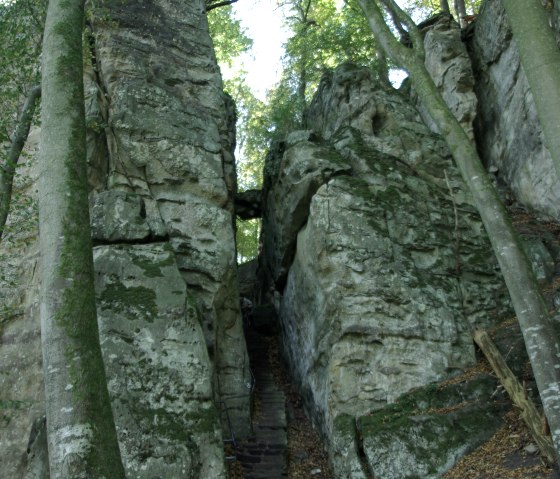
387,267
157,364
21,375
449,65
374,258
170,141
508,134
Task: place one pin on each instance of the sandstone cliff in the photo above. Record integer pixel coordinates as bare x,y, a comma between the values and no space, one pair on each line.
373,257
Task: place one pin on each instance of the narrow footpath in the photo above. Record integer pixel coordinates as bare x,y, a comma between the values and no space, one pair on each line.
263,455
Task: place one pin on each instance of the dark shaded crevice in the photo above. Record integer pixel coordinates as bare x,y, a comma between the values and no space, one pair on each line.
127,242
360,450
248,204
264,454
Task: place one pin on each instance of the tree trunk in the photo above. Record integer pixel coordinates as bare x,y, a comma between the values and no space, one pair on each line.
540,57
461,12
539,336
444,5
8,170
82,441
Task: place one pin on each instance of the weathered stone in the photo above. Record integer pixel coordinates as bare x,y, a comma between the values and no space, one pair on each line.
158,369
449,65
302,167
171,139
343,450
247,275
118,216
37,460
509,137
540,258
424,433
391,268
21,376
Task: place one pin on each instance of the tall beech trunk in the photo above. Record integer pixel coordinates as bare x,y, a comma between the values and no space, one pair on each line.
82,441
540,338
8,169
540,58
461,12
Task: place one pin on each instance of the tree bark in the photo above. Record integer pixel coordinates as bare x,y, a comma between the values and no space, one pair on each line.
8,169
82,441
461,12
444,5
540,58
539,336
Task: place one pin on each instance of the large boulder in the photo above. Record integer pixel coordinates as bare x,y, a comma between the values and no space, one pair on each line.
391,267
158,369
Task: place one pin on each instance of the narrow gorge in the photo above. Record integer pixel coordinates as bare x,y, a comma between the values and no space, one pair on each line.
374,268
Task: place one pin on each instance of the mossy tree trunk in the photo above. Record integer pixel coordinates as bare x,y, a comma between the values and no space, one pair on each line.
8,169
540,339
81,434
540,58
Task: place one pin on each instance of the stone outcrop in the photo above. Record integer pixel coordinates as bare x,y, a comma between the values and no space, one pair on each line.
157,365
21,375
374,259
508,134
449,65
170,136
386,266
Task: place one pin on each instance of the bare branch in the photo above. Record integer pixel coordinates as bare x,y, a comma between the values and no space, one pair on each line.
225,3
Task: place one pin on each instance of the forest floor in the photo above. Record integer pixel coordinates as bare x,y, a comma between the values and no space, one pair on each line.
511,453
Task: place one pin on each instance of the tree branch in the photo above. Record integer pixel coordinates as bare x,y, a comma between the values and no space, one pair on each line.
397,13
225,3
8,169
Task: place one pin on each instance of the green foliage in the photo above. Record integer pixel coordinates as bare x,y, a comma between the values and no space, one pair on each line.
21,28
247,238
324,36
425,8
252,134
230,40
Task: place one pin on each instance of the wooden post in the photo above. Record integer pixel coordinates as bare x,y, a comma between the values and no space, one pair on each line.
529,412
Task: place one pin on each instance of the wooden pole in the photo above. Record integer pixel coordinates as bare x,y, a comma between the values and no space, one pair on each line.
517,392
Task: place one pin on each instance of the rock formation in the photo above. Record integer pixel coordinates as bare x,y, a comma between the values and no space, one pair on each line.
508,134
374,260
381,268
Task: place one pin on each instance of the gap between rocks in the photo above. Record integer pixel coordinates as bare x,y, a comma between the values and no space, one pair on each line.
283,443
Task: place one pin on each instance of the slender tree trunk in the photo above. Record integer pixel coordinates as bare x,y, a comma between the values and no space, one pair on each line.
539,336
302,88
444,5
540,58
8,169
81,434
461,12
